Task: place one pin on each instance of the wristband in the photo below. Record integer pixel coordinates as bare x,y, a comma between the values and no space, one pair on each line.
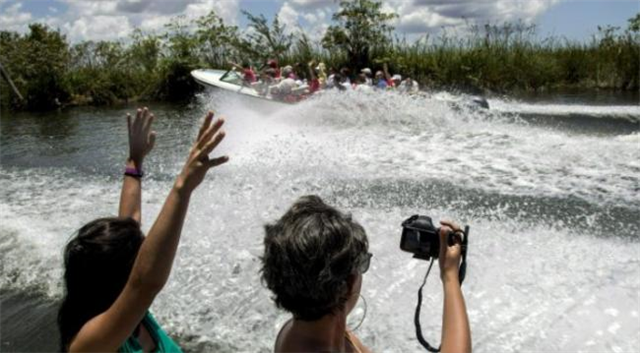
133,172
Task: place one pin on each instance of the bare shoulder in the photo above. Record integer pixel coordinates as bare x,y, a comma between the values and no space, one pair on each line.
357,343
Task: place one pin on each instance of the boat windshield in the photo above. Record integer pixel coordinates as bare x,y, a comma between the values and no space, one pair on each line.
232,77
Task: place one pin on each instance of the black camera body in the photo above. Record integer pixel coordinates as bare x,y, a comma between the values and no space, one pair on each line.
421,238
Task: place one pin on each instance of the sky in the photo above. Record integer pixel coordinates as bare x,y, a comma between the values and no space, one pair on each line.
116,19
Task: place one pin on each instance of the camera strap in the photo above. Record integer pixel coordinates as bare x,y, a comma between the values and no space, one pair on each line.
461,274
416,319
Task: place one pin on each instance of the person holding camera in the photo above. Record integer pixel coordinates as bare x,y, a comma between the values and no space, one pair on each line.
314,260
112,272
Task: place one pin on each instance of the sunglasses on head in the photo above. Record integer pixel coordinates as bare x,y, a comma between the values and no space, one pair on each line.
363,266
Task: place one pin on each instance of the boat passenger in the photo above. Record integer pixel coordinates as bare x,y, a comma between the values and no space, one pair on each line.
346,76
391,81
361,84
266,80
248,75
314,260
367,72
381,82
331,78
283,89
273,63
287,72
409,86
314,82
396,80
112,272
321,69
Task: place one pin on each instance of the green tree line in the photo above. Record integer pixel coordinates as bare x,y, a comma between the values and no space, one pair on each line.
51,72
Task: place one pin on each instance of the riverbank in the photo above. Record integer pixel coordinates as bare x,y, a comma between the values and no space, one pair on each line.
51,72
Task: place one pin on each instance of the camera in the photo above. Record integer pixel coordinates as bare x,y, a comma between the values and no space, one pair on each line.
421,238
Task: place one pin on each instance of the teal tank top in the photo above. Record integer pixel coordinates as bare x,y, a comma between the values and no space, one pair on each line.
164,344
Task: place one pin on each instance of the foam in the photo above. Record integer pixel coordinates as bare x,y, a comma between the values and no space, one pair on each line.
533,284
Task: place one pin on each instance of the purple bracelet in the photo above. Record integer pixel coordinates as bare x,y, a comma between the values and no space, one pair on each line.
133,172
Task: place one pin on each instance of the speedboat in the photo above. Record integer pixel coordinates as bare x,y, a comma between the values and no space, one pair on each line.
232,81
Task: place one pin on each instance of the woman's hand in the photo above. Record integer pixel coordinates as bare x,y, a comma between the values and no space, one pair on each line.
449,257
141,137
198,162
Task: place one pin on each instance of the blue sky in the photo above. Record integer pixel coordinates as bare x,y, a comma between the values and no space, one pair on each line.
96,20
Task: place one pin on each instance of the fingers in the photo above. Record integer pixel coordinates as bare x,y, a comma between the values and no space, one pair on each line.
450,224
148,122
209,133
205,124
217,161
213,143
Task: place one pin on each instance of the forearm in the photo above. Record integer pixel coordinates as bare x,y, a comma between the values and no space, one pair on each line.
131,196
155,259
456,334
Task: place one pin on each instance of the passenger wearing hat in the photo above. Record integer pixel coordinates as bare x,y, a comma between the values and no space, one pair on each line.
397,80
367,73
287,72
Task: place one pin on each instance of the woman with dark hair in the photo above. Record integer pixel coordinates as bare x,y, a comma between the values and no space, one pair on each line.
112,272
313,262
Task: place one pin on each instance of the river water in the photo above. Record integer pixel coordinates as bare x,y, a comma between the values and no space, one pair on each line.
550,191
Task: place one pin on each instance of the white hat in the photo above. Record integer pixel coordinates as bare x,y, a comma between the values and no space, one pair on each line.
396,77
366,70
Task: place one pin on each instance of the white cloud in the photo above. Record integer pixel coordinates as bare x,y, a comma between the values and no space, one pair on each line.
310,4
13,18
421,16
288,16
99,27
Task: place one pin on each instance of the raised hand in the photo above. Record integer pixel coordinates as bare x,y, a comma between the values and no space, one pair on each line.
198,162
449,257
141,137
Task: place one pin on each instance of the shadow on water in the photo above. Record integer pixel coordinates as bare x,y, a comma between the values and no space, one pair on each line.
28,322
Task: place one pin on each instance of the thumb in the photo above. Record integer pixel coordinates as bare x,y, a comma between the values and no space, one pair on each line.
217,161
152,141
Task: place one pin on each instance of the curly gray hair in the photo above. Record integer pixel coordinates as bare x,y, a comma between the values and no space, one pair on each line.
309,254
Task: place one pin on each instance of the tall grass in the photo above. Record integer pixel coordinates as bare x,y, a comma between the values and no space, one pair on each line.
50,72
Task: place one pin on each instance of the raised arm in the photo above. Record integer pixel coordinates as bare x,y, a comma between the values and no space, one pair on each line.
107,331
456,333
385,69
141,141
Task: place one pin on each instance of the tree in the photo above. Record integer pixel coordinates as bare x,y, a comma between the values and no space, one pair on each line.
634,23
217,40
361,26
263,41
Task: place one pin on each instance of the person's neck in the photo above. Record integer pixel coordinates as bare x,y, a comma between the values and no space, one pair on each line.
328,332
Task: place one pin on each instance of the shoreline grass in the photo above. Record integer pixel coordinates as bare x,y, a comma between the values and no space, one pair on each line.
503,59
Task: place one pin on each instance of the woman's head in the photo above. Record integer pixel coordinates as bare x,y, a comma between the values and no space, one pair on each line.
314,256
98,261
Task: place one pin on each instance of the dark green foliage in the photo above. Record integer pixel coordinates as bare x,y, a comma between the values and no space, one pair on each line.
264,41
360,26
37,62
502,58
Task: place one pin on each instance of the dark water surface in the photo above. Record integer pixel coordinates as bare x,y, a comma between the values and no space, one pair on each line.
550,189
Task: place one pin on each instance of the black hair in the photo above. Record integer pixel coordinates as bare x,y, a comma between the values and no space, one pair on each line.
309,256
97,262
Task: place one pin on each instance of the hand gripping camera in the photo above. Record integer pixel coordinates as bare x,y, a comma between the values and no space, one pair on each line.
421,238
